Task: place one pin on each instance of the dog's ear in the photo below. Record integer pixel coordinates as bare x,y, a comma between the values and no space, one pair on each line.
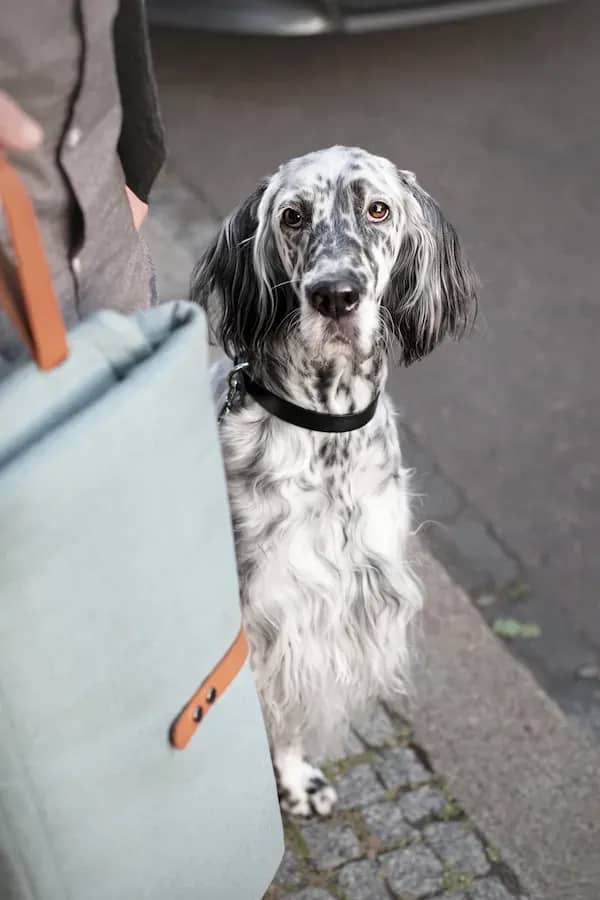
433,290
232,285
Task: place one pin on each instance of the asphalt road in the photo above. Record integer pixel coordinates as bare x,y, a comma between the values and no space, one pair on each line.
500,118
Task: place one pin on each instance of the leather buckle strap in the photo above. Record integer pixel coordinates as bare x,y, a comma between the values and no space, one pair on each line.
38,319
211,689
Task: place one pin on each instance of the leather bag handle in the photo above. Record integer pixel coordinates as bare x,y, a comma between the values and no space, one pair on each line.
38,318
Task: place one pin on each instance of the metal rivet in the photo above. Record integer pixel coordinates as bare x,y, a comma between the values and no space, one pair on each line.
212,695
197,714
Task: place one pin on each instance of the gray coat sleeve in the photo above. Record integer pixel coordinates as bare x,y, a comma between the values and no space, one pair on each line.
141,143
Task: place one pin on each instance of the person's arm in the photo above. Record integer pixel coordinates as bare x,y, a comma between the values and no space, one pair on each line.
141,144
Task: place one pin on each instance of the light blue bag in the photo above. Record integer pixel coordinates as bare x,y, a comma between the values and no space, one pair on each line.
118,596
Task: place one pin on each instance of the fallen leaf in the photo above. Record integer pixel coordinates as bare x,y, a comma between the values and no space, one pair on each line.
511,629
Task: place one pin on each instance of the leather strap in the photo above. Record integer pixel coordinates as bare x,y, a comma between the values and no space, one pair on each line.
211,689
308,418
38,318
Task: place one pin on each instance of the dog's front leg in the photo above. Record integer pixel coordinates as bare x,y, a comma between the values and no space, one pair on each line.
303,789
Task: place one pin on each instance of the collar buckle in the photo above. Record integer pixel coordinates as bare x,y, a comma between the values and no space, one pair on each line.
236,391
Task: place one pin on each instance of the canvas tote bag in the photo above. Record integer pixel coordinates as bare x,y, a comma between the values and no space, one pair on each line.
133,757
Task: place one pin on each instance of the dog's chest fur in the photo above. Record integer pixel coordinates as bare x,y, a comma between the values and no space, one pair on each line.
321,522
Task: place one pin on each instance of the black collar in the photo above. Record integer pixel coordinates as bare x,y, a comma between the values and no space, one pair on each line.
308,418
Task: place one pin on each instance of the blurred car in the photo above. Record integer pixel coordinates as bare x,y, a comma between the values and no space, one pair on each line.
304,17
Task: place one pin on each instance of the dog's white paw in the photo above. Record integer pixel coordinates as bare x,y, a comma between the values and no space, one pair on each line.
303,789
322,795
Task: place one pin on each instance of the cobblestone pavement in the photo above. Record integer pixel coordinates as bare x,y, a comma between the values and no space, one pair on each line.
396,833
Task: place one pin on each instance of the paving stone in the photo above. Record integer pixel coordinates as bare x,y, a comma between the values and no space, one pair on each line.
457,847
330,845
418,805
386,822
358,787
353,745
400,767
362,881
289,871
490,889
311,893
376,728
413,872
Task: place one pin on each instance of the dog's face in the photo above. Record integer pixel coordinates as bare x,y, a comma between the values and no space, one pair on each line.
337,219
343,249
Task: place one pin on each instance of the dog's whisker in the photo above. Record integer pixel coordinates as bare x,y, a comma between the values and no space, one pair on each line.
283,283
291,320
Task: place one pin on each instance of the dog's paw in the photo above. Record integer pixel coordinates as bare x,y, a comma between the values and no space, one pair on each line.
304,790
322,796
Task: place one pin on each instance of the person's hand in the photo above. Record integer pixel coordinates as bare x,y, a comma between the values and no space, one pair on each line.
18,131
139,209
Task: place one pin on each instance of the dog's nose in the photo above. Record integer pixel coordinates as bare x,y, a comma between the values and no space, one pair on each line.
334,299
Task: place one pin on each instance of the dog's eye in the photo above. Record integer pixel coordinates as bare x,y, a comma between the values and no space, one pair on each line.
378,211
291,217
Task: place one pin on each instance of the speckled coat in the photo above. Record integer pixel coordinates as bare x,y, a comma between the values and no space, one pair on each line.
332,263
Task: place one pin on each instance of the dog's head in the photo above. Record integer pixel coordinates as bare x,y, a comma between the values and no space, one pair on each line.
342,248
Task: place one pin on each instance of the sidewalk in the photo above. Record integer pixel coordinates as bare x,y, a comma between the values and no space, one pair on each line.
397,833
489,793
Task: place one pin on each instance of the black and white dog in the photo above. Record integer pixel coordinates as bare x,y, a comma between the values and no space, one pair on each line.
331,263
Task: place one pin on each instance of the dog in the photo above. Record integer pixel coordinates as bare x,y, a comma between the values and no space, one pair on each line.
333,263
